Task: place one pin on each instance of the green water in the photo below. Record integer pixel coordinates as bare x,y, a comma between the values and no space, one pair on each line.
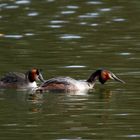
71,38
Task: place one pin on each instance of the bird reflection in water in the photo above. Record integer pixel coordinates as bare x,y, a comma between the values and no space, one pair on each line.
36,101
105,94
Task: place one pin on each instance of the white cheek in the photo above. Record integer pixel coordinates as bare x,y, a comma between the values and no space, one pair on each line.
110,76
36,77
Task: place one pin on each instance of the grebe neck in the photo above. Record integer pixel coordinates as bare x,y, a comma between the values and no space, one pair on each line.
94,76
29,77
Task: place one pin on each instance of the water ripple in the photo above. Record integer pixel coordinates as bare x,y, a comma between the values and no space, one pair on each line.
12,124
50,0
67,12
94,24
13,36
58,21
3,5
22,2
131,136
105,9
12,7
118,19
83,23
75,66
89,15
125,53
72,7
70,36
94,2
29,34
54,26
32,14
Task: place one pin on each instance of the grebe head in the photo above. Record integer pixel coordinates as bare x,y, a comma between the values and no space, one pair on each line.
35,74
105,75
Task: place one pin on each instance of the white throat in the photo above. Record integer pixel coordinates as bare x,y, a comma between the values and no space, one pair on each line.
32,85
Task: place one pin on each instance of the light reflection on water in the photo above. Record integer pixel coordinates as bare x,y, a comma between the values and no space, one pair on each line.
13,36
70,36
67,12
89,15
32,14
19,2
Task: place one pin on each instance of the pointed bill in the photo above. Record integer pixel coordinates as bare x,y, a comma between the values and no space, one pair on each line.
114,77
40,77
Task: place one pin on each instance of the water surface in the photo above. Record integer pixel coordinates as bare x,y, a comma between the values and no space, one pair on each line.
71,38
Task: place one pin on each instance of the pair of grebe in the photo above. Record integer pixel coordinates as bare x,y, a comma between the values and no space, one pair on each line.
28,80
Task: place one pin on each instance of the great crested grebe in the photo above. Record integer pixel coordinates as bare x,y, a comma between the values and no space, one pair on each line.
68,84
20,80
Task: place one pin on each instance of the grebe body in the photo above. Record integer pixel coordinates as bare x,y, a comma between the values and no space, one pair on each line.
70,84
